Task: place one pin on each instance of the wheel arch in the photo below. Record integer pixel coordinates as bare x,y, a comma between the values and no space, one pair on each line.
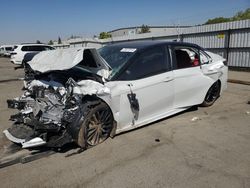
107,102
203,104
219,81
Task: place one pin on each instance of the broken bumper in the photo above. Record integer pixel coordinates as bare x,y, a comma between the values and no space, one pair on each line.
34,142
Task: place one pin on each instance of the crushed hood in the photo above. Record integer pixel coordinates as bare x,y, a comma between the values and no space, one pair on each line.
60,59
63,59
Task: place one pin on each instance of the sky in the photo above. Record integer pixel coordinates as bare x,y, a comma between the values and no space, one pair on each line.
44,20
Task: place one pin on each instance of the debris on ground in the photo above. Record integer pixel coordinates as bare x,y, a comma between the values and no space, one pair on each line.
248,112
195,118
157,140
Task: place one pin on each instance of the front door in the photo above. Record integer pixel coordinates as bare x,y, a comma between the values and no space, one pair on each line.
145,89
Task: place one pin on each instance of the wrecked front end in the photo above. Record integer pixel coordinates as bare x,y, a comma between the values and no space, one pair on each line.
53,106
48,115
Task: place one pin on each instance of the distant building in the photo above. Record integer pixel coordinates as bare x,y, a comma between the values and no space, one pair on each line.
136,30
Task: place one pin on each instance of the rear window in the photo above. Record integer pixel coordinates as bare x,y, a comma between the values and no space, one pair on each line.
8,48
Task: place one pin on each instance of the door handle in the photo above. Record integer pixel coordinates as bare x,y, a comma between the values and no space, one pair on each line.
168,79
212,70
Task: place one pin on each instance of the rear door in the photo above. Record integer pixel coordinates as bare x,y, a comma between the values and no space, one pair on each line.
190,83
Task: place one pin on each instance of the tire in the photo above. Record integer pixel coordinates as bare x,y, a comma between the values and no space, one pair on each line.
96,127
212,94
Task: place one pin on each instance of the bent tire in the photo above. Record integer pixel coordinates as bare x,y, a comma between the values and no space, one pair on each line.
96,127
212,94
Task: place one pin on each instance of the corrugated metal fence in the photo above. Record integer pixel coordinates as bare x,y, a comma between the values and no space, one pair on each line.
231,40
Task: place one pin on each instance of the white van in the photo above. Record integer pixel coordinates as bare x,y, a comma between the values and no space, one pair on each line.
5,50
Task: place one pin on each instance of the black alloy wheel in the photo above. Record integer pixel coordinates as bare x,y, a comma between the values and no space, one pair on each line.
212,94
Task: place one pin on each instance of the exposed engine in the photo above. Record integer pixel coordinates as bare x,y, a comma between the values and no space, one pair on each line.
50,112
59,87
45,110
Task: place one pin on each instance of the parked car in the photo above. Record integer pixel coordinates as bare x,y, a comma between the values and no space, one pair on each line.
25,52
85,96
5,50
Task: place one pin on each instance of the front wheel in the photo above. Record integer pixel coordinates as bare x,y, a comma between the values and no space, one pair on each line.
97,126
212,95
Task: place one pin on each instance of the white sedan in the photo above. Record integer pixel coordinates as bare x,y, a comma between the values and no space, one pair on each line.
87,95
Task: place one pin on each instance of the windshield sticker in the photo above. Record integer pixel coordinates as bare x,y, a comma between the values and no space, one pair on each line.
131,50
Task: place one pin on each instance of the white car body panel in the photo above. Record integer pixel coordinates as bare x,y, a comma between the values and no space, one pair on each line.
17,58
190,86
182,96
144,89
216,69
159,96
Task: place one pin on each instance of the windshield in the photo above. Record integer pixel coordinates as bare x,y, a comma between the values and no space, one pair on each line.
116,56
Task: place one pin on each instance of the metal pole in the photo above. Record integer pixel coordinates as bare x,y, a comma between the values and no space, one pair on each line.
228,43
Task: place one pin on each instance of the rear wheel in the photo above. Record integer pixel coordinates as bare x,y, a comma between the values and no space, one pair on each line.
97,126
212,95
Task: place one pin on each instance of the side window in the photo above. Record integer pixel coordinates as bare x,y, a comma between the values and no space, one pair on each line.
88,59
148,63
48,48
186,57
34,48
39,48
25,48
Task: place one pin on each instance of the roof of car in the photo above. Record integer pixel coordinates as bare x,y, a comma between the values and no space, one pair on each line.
31,44
6,46
148,43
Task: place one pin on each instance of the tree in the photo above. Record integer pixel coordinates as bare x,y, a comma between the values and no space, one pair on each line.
38,42
50,42
59,40
217,20
104,35
241,15
145,29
